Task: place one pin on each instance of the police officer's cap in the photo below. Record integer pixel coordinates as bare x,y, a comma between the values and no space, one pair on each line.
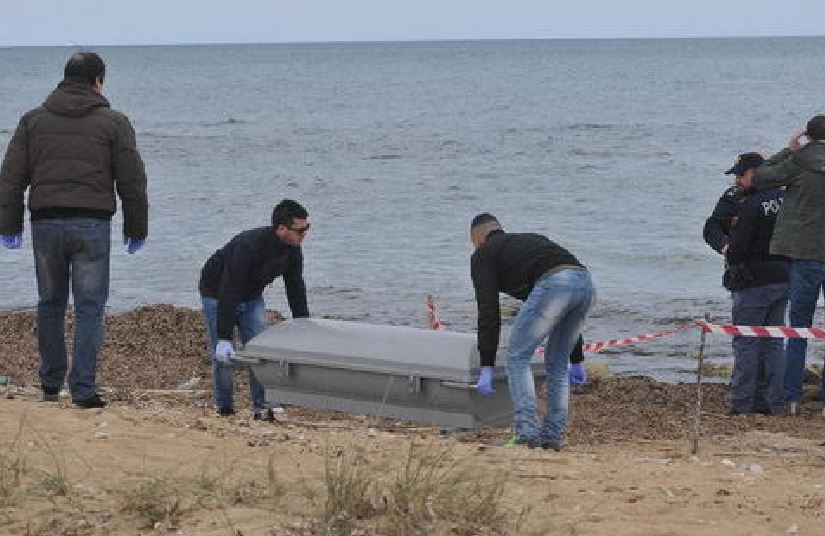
744,162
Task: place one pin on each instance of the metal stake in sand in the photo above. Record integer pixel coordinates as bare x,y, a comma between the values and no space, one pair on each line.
698,418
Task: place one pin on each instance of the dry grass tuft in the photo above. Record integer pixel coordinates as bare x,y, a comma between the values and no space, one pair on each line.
12,468
156,501
347,480
428,492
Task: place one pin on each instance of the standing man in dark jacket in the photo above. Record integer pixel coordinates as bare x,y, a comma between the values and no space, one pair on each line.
557,291
231,287
75,155
758,282
800,236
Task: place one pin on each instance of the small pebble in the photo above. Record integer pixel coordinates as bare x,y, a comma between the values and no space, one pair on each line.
756,468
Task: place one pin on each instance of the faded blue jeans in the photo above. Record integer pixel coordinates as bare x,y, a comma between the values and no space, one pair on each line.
555,309
807,282
250,318
76,251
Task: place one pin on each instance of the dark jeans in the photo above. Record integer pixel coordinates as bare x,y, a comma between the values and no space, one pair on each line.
72,250
757,383
807,279
250,317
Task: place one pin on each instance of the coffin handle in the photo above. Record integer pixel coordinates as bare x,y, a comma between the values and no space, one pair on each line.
243,360
459,385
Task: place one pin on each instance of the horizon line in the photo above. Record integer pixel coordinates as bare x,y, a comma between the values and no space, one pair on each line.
412,41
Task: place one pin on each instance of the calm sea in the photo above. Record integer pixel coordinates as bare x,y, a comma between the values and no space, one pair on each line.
614,148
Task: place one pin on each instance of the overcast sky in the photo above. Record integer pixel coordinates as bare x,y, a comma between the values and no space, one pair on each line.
102,22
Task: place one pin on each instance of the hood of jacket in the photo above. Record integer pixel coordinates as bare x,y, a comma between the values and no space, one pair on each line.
74,98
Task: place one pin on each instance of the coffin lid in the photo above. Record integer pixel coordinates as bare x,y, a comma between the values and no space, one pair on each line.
396,350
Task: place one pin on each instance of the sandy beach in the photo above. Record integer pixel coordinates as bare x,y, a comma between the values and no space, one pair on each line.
158,460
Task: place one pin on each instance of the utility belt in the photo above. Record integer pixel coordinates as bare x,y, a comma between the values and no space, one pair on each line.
744,274
560,268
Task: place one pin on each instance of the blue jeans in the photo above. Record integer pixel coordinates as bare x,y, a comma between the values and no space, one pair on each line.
555,309
250,317
807,279
757,383
76,250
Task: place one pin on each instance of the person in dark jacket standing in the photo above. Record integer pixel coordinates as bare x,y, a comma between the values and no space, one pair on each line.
758,282
75,155
558,293
799,236
231,287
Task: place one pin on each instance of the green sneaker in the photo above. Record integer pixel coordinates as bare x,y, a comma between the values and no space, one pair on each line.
515,440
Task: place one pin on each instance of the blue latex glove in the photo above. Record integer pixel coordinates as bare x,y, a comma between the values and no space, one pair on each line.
223,351
578,374
485,382
133,245
12,241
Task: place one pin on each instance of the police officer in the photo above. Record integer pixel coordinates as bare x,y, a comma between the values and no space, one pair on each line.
758,282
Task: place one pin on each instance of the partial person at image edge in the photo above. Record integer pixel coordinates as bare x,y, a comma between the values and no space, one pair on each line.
800,236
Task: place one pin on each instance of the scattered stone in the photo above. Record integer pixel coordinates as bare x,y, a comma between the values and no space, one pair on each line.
728,463
201,424
191,383
102,435
756,468
793,529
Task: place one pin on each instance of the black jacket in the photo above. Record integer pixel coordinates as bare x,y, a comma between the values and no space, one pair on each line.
509,263
718,225
240,271
750,263
74,154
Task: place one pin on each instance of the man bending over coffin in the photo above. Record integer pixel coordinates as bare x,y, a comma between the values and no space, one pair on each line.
558,293
231,287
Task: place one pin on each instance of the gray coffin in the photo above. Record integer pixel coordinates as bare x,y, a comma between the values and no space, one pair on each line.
387,371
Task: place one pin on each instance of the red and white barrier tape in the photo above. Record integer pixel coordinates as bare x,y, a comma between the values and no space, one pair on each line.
434,321
783,332
594,347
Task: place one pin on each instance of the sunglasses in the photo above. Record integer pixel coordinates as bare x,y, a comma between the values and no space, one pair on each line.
299,230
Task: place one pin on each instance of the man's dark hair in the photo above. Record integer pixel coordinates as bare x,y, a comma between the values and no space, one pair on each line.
286,212
815,129
484,217
86,67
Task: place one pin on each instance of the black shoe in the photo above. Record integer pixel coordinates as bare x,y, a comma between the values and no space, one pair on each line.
265,415
51,395
551,445
226,412
90,403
